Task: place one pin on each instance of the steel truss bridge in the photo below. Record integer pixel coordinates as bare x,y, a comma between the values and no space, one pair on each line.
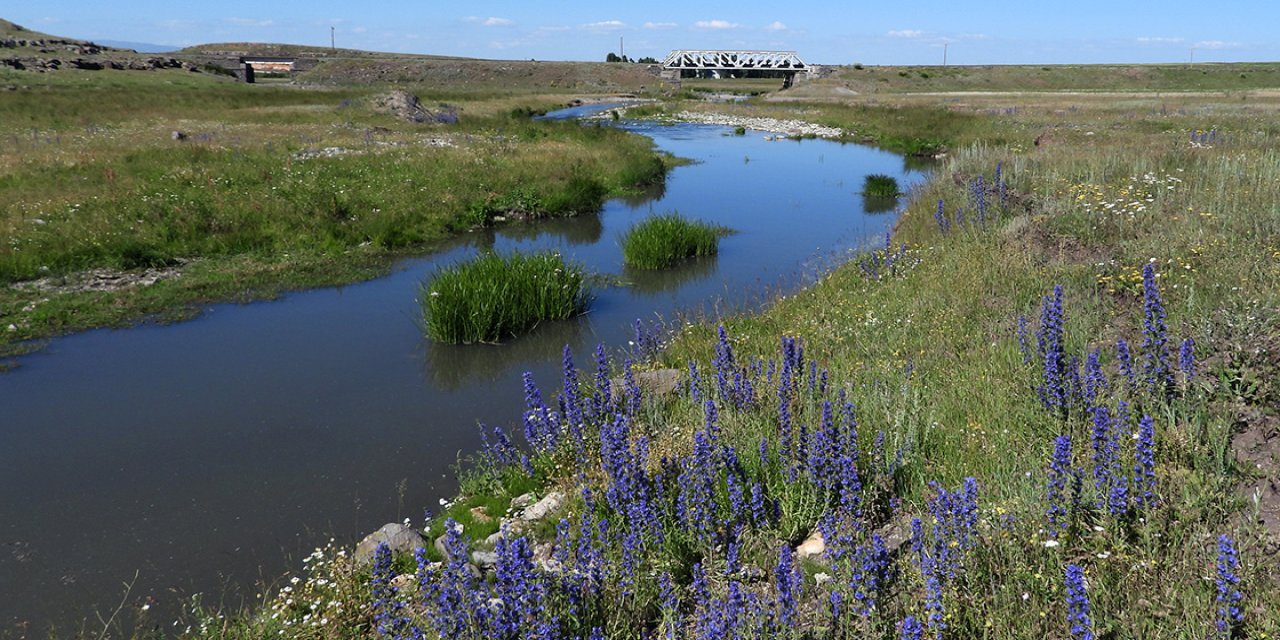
734,61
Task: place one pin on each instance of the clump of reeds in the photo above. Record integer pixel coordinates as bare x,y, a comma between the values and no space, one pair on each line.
491,297
663,240
878,185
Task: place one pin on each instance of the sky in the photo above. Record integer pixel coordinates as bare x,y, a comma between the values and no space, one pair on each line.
821,32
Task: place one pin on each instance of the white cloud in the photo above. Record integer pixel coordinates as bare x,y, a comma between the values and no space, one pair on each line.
1159,40
490,21
1216,44
660,25
716,24
250,22
605,25
906,33
776,26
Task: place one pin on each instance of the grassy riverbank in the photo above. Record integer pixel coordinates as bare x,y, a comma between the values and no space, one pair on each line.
1158,218
108,218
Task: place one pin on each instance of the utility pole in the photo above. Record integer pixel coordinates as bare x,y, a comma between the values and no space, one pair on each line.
622,53
1192,59
332,41
944,53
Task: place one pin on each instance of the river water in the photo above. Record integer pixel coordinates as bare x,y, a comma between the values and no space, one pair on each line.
211,455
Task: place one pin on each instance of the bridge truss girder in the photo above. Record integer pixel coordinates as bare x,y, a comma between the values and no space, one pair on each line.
734,60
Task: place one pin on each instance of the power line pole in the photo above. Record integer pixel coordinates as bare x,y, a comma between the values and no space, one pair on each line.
944,53
332,41
622,52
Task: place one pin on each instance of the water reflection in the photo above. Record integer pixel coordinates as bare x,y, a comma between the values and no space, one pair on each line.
650,281
578,230
452,367
645,194
878,204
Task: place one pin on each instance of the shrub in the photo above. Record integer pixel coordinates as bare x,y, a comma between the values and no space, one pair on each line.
880,186
661,241
491,298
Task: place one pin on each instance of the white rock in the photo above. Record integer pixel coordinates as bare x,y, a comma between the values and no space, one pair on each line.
812,547
544,507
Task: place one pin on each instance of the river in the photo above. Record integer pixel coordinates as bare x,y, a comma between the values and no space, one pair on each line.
211,455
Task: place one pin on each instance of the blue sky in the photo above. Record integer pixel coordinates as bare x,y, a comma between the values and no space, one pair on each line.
903,32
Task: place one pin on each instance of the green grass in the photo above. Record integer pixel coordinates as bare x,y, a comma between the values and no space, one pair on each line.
492,298
1145,78
663,240
1096,188
239,211
878,185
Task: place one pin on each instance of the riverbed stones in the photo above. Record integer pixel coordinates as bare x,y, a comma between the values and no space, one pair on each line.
401,104
544,507
399,537
486,560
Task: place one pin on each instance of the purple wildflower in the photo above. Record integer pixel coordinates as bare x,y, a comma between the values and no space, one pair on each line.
1078,604
602,394
1053,389
979,190
389,616
788,580
1125,358
1060,471
1155,340
1144,468
540,428
1024,340
1095,382
1230,616
1187,359
912,629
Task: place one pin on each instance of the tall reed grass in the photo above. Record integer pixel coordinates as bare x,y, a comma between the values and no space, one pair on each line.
878,185
491,298
663,240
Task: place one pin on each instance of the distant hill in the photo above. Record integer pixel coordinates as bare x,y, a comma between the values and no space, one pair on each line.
140,47
296,51
13,29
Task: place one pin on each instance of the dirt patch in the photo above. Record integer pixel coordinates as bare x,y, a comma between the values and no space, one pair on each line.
1257,448
100,280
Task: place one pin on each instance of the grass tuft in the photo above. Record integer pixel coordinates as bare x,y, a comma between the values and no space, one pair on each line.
491,298
878,185
661,241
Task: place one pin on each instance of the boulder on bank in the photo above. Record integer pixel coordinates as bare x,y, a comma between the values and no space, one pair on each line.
397,536
406,106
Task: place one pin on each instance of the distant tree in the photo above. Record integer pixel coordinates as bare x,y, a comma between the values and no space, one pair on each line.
612,57
648,60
